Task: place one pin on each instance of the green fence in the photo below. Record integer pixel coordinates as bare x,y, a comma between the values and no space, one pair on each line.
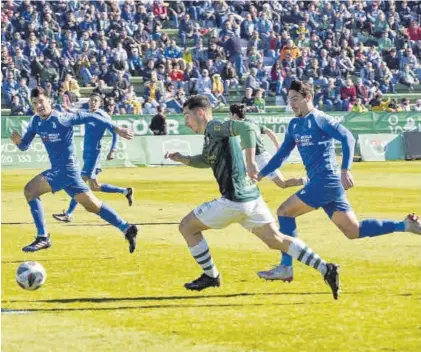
358,123
145,149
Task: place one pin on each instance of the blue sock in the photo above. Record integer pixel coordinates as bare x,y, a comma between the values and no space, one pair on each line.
112,217
38,214
72,206
373,227
112,189
288,227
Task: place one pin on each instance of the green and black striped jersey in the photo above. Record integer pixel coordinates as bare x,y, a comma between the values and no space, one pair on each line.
222,152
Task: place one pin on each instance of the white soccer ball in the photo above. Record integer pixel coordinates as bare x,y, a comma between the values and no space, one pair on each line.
31,275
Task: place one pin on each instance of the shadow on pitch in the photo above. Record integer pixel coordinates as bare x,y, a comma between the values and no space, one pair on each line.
161,306
165,298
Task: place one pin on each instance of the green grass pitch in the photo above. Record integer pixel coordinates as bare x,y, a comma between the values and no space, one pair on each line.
98,297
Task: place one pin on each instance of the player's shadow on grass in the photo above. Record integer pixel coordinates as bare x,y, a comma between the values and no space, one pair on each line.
165,298
162,306
57,260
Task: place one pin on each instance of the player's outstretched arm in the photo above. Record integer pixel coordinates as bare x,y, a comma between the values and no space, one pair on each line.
280,156
24,142
112,152
193,161
272,136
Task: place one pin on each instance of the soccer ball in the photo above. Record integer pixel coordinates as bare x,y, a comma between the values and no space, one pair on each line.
31,275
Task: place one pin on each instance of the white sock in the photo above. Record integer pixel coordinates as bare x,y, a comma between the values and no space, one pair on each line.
299,250
202,255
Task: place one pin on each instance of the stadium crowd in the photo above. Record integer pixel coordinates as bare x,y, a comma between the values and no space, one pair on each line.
352,51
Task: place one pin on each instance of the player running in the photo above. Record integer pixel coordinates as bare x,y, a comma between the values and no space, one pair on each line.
240,202
92,158
56,131
238,112
313,132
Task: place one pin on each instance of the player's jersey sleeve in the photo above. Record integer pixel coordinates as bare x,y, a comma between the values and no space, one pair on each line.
113,133
69,119
28,136
198,161
231,128
281,155
337,131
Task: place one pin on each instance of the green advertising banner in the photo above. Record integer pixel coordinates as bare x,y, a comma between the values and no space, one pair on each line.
370,122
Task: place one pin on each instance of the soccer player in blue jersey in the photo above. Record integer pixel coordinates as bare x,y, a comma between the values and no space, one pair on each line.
56,131
92,158
313,132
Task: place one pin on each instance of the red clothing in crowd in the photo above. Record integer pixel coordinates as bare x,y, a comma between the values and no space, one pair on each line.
159,10
176,75
414,33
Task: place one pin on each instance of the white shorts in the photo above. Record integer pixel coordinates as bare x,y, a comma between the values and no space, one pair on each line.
221,212
262,160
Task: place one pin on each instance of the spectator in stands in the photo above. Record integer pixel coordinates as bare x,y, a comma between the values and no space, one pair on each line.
135,62
152,96
177,77
259,101
218,89
252,81
158,124
359,106
332,70
408,77
170,99
345,64
348,95
290,49
417,106
368,74
173,51
393,106
232,46
16,107
204,87
130,103
331,97
63,99
384,78
409,59
10,88
405,104
71,87
229,77
362,92
248,100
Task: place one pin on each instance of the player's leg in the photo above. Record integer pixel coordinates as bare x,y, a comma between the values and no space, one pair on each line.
215,214
347,222
300,251
287,212
32,191
67,216
108,188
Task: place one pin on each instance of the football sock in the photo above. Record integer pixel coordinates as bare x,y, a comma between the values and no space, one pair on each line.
299,250
288,227
112,189
72,206
373,227
38,214
201,254
111,216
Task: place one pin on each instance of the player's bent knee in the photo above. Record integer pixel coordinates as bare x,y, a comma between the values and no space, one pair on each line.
94,186
283,210
29,192
351,232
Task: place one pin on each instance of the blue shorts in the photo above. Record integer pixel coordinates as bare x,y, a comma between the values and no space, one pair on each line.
91,165
327,194
67,179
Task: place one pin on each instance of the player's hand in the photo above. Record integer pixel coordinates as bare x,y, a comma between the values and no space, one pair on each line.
125,133
16,138
111,155
176,156
252,171
347,179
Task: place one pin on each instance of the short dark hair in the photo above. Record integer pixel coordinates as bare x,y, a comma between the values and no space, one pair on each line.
36,92
239,110
95,94
198,101
303,88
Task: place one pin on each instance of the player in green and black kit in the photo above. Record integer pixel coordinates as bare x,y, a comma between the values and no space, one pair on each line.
240,202
238,112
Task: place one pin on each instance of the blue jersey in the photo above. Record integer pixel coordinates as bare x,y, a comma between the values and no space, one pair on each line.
56,133
314,137
94,131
